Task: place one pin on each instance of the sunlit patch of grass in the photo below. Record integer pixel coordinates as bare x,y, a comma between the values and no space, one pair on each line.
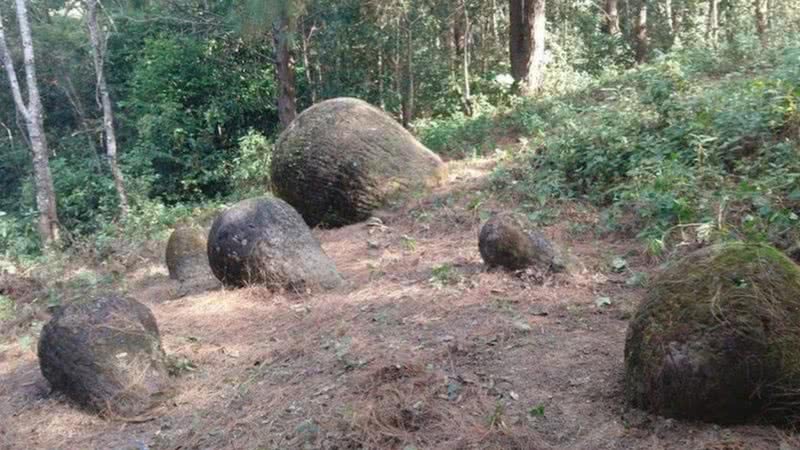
6,308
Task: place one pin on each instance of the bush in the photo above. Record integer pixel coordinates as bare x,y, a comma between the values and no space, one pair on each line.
671,148
18,236
251,169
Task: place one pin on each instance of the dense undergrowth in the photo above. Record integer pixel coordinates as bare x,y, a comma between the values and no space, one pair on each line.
700,145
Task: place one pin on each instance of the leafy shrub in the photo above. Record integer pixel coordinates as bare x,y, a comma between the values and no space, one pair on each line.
193,101
459,136
671,147
251,169
18,236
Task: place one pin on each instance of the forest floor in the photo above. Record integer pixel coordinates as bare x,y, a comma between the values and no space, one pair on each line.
424,349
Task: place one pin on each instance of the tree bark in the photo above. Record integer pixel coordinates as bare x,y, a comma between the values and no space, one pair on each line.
284,69
307,63
676,21
381,88
98,55
33,116
668,15
761,16
641,34
408,88
467,96
712,31
494,30
611,19
526,44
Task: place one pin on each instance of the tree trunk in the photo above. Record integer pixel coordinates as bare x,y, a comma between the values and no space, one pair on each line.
307,63
641,34
668,15
676,21
625,19
98,55
761,15
397,60
284,69
611,19
408,88
381,88
526,44
34,123
467,96
454,41
494,31
712,23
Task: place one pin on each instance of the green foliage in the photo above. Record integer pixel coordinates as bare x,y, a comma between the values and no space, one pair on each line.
536,411
706,134
192,112
443,275
671,150
18,238
84,190
6,309
459,136
251,169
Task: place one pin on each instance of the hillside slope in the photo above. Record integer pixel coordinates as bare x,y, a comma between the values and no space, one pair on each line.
425,348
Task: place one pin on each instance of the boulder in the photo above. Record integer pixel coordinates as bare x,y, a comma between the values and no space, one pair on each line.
342,159
718,338
186,254
105,355
265,241
510,241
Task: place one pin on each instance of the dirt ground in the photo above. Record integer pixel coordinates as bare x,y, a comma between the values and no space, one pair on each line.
424,349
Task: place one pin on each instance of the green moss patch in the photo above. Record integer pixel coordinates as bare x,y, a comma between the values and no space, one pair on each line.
718,338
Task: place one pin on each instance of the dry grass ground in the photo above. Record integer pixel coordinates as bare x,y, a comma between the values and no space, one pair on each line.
424,349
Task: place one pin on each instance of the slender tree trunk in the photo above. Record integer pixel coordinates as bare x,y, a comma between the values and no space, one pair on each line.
284,69
467,96
381,76
676,21
611,19
408,88
641,34
770,12
307,63
712,23
34,122
670,24
490,37
495,32
520,37
761,15
398,59
98,55
626,19
526,44
485,49
456,43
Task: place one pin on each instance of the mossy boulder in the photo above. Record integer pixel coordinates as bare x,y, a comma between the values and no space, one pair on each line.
510,241
342,159
186,254
718,338
265,241
105,355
